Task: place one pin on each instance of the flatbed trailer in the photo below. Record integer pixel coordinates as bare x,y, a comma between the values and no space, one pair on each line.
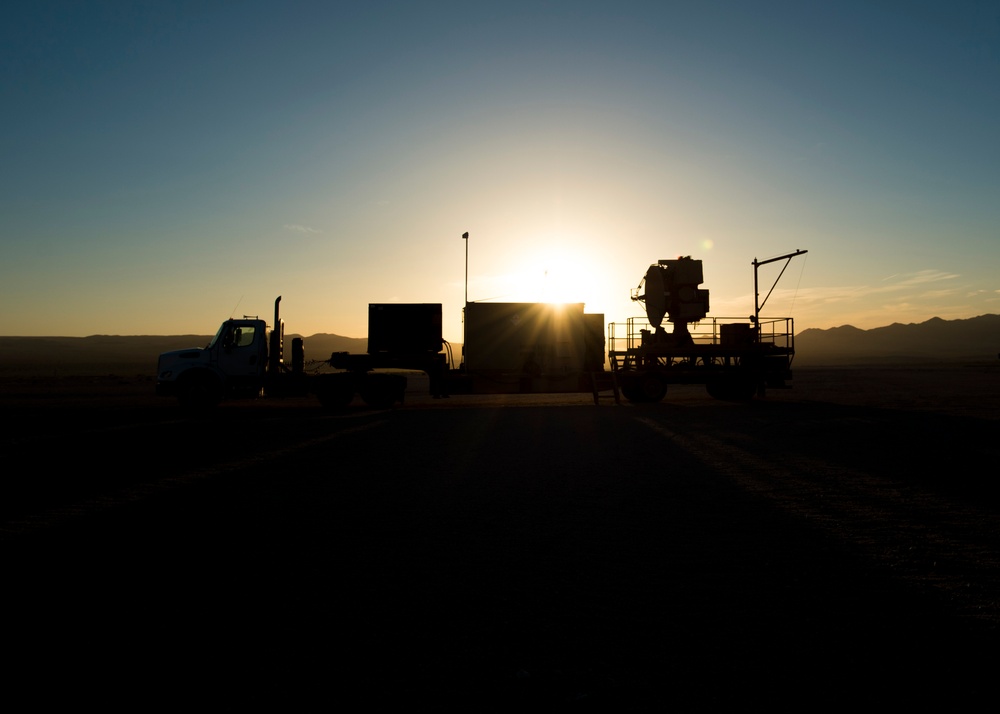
735,358
728,355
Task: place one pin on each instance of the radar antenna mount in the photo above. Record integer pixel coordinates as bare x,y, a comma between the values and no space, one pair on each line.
672,292
757,305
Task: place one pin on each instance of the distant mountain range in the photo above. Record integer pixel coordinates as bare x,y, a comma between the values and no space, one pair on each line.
936,340
114,354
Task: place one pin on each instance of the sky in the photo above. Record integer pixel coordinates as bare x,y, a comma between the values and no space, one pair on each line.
167,165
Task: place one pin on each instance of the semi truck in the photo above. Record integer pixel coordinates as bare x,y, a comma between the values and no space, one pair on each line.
245,359
509,348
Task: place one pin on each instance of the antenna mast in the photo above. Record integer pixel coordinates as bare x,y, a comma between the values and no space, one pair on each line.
757,305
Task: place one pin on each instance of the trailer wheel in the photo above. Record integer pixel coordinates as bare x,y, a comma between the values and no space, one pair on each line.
629,389
746,390
653,388
644,388
381,391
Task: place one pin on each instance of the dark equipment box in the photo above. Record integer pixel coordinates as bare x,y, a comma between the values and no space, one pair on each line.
404,328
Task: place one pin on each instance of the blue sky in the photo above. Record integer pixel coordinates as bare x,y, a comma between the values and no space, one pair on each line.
168,164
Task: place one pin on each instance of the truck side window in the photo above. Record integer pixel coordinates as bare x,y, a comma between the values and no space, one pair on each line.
243,336
238,337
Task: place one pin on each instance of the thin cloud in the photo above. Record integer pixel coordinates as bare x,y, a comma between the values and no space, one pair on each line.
299,228
902,287
899,282
934,294
924,276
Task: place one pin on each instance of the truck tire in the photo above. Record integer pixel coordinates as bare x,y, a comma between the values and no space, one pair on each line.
198,390
654,388
716,390
630,388
746,390
381,391
644,388
336,396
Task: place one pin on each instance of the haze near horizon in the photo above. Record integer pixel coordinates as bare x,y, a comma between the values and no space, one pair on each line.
167,165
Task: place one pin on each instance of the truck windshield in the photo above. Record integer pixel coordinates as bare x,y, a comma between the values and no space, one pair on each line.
234,335
218,335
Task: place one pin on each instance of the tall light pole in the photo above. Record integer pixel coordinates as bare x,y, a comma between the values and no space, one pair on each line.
465,305
465,237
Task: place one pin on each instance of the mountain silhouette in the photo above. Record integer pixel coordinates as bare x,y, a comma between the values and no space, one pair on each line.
130,354
936,340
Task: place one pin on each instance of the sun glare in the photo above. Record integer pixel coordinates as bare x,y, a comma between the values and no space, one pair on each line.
557,267
553,276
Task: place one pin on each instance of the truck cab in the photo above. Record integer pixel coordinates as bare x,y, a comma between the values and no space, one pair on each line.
234,363
246,359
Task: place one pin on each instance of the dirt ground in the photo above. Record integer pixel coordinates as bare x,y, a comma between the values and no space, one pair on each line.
835,544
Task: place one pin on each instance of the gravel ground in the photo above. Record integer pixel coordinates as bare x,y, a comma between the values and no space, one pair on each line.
831,545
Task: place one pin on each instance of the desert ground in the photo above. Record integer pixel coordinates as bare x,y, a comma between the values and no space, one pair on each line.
837,544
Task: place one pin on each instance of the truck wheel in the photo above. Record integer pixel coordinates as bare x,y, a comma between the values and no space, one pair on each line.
336,397
199,390
381,391
653,388
745,390
644,388
377,398
716,390
630,387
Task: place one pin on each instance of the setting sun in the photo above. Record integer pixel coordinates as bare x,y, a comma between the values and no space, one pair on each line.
550,268
555,276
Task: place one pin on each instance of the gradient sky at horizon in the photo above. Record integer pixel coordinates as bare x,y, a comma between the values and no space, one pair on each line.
168,164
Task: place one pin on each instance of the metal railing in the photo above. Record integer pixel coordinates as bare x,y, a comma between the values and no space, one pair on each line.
627,336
